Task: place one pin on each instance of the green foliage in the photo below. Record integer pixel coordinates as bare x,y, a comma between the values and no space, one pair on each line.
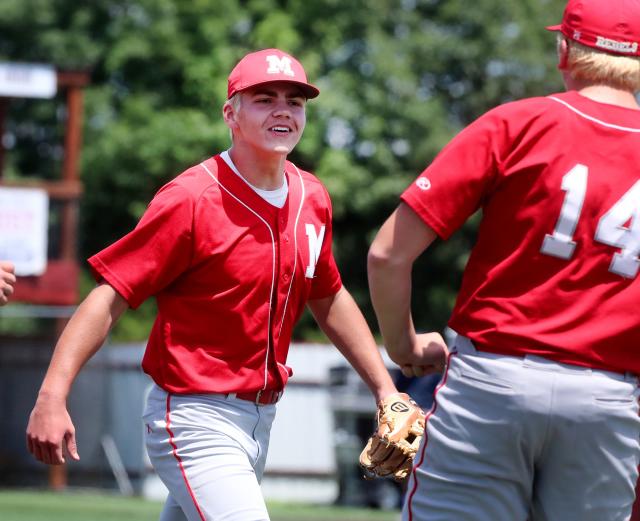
398,79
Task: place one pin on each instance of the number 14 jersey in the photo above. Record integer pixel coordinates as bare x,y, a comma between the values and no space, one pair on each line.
555,270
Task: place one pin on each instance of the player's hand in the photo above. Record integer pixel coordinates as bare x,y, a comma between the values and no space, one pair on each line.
7,280
51,431
392,447
431,356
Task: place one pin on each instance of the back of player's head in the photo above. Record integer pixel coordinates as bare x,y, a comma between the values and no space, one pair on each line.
604,41
600,68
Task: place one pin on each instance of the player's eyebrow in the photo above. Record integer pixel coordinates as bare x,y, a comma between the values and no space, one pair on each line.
293,93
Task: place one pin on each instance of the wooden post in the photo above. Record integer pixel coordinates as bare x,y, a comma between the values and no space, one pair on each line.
58,477
73,134
70,166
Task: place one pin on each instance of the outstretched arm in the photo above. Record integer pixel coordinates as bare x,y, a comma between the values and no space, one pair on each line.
341,320
7,280
399,420
50,425
402,238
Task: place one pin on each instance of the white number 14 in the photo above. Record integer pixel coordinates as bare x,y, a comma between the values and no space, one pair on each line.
619,227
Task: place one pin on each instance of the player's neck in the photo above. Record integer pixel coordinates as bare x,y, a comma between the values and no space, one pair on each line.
264,171
606,94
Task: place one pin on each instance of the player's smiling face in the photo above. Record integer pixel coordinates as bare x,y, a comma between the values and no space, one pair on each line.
271,117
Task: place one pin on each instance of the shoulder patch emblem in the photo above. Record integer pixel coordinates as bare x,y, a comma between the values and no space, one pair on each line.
423,183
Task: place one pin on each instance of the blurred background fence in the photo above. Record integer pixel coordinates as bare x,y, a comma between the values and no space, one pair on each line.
323,421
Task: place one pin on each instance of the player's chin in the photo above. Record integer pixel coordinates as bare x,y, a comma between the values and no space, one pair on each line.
284,146
282,149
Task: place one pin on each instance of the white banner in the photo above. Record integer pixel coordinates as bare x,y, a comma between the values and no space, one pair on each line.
24,220
23,80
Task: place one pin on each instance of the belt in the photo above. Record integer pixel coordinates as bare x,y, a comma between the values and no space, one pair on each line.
465,346
262,397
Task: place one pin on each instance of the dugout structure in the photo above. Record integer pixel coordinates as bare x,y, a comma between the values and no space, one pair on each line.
54,293
58,285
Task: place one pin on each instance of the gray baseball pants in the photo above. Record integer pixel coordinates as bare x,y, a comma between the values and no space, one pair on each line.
210,452
526,439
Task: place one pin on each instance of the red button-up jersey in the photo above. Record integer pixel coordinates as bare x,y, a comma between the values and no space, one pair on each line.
231,274
554,271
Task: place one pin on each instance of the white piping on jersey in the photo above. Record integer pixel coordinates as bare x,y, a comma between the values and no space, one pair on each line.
273,269
591,118
295,248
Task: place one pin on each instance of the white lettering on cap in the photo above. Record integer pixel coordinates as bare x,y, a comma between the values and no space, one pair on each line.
279,65
613,45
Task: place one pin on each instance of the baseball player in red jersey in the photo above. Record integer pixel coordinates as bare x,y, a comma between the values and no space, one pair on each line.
536,416
7,280
232,249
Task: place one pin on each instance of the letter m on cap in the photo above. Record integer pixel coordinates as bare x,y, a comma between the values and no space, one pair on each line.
279,65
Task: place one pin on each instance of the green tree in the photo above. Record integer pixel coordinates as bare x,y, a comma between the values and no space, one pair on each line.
398,79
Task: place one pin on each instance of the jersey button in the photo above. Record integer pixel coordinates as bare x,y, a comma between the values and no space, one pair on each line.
285,277
285,237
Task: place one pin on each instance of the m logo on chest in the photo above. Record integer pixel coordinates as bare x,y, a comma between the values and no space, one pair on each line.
315,245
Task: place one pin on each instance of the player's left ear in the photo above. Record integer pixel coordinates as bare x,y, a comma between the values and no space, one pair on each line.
229,113
563,54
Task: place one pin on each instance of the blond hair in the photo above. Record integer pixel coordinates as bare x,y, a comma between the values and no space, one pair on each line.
603,68
235,102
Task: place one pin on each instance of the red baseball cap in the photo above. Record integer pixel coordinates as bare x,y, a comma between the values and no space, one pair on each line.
612,26
266,66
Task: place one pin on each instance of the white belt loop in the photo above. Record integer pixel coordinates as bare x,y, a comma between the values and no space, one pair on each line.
464,346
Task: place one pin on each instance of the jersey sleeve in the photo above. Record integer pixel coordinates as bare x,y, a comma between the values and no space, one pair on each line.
326,281
453,187
157,251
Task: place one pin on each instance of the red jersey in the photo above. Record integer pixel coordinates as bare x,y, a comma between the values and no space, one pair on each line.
554,271
231,274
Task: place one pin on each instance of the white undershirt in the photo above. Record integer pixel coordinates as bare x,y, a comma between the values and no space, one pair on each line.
275,197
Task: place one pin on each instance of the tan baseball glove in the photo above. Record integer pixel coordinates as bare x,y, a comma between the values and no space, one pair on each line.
392,447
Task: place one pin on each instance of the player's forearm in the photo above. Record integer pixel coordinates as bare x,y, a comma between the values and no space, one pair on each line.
81,338
341,320
401,239
390,289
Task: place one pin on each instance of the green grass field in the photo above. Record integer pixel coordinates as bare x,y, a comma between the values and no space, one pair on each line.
84,506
